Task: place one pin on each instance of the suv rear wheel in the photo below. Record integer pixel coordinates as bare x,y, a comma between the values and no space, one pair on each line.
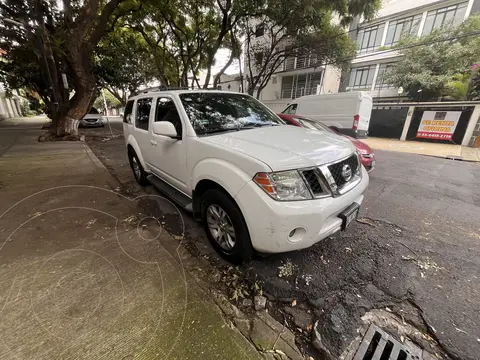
137,168
225,226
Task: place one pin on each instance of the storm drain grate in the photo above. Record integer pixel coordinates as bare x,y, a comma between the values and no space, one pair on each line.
378,345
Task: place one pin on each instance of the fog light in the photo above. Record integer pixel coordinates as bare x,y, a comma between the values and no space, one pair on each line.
297,234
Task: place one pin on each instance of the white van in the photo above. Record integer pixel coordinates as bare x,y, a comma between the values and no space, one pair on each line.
346,110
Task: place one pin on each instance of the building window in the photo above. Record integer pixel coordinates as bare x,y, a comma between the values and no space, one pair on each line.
399,29
380,82
361,77
450,15
259,30
369,39
259,58
295,86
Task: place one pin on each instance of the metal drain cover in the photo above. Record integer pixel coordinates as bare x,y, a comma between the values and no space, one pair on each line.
378,345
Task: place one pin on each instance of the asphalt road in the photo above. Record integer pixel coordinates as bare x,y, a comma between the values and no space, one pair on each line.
419,257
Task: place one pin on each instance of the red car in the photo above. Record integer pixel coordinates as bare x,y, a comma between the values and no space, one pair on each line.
367,157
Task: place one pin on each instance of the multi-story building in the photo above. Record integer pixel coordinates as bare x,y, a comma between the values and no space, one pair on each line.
296,76
396,19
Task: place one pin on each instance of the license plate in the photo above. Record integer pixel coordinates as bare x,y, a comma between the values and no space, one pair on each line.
348,215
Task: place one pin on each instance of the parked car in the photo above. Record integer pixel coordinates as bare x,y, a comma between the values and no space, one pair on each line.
367,157
254,184
92,119
349,111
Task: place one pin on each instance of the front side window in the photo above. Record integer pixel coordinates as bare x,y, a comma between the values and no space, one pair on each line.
142,115
292,109
127,115
361,77
399,29
369,39
218,112
167,111
450,15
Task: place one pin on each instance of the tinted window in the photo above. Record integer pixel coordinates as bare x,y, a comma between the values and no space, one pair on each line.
167,111
216,112
127,116
143,113
314,125
93,111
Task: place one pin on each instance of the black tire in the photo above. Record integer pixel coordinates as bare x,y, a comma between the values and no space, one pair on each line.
141,175
242,250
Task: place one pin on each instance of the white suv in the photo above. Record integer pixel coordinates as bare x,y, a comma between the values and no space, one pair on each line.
254,182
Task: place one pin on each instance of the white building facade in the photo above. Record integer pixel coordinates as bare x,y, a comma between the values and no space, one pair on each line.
295,77
396,19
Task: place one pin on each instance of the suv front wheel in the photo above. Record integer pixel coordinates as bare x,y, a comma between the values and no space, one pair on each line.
225,226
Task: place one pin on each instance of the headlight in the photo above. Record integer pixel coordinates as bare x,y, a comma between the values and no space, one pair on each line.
284,185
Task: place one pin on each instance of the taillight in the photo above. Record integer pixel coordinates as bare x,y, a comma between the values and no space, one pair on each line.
356,118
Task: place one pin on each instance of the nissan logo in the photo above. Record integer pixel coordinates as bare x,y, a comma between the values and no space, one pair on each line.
346,172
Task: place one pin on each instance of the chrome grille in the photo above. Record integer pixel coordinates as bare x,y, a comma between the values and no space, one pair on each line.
336,169
313,181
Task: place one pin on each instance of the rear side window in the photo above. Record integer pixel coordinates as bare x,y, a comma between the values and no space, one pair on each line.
142,115
127,116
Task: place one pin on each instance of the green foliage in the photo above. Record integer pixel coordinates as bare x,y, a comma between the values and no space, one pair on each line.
303,28
124,62
431,63
111,100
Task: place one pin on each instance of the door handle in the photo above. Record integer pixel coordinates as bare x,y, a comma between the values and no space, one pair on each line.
153,142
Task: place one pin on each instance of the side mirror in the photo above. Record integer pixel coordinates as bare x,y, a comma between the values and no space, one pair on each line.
165,128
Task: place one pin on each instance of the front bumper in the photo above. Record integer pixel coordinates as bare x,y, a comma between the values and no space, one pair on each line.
91,122
271,222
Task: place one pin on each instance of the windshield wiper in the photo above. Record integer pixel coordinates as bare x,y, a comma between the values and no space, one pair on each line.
217,131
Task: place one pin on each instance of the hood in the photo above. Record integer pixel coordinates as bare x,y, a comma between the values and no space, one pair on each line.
285,147
360,145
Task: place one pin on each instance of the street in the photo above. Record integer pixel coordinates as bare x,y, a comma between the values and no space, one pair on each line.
414,251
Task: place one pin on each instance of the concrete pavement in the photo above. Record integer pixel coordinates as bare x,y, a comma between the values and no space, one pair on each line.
418,257
425,148
84,271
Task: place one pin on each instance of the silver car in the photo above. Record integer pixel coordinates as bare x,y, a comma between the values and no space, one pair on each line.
92,119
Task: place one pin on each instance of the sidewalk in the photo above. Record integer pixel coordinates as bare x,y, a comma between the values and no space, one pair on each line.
425,148
84,273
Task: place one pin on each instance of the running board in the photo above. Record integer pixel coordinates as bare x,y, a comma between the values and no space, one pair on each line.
173,194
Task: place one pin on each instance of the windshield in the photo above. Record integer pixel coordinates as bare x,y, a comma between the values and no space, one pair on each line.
219,112
314,125
93,111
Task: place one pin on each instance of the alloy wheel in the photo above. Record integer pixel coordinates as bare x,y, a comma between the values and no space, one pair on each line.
221,227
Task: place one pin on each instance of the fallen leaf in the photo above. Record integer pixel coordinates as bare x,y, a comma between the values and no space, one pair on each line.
460,330
388,309
402,339
310,327
294,303
347,249
366,221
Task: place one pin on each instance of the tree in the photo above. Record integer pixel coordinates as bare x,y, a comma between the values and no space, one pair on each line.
112,100
432,62
46,44
298,29
124,62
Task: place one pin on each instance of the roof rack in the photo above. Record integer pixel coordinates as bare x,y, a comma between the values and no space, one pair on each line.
166,88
